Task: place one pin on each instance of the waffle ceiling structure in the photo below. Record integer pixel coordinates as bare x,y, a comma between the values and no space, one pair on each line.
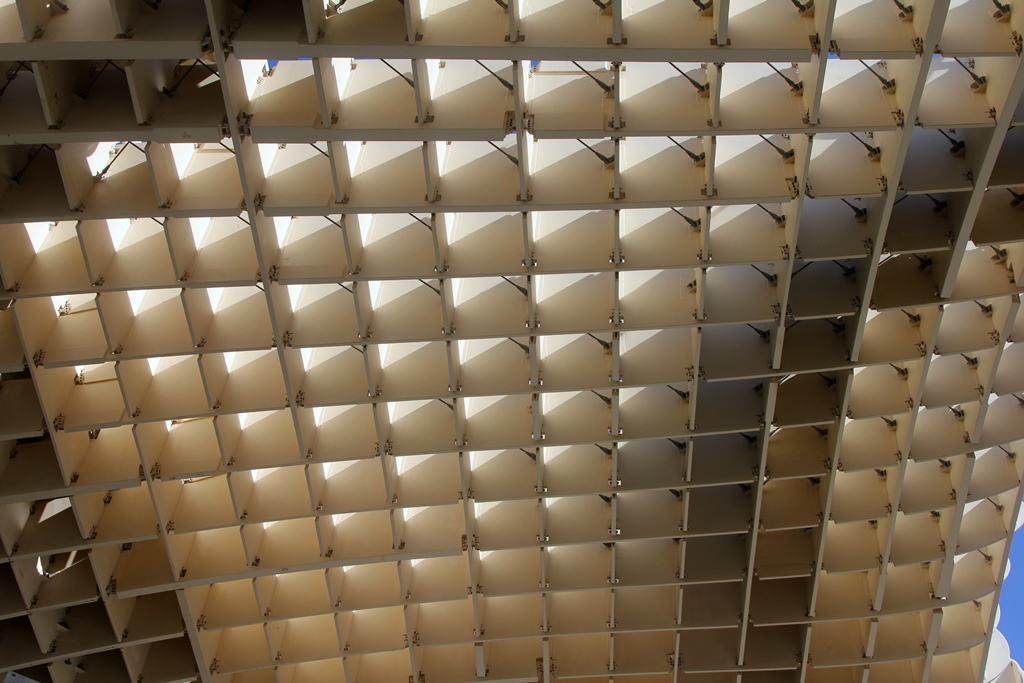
628,341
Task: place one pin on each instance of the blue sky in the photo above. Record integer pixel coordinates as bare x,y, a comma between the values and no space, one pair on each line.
1011,616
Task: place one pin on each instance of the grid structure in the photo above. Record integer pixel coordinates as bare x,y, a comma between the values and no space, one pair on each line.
633,341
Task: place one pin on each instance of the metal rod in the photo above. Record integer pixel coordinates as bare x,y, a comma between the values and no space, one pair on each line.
837,328
872,151
694,157
912,317
701,87
859,212
847,270
940,205
507,155
793,85
887,83
502,80
522,290
763,334
604,86
902,372
428,225
978,80
110,163
693,223
801,269
958,145
685,395
427,284
170,91
602,157
779,220
786,153
772,278
84,93
32,154
11,74
406,78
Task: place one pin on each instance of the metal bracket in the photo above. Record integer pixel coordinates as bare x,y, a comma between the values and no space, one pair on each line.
794,187
244,120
